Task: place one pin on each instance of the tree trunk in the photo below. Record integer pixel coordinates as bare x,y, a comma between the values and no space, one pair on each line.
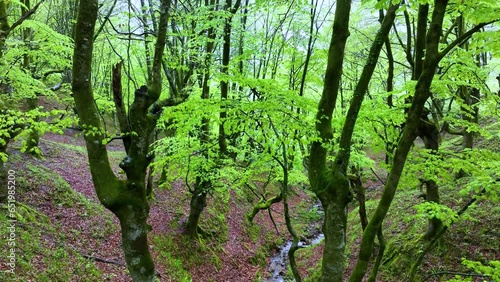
197,205
134,229
331,185
429,132
199,197
125,198
324,181
4,26
432,195
334,228
33,136
32,102
422,93
359,191
224,84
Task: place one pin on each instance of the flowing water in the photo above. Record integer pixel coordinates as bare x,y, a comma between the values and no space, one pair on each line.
279,262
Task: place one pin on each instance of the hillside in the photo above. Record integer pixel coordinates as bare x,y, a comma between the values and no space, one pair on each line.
64,234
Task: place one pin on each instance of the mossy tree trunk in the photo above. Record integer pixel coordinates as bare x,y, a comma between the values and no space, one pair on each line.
320,176
331,184
224,84
125,198
264,204
429,132
197,205
32,102
203,181
422,92
4,26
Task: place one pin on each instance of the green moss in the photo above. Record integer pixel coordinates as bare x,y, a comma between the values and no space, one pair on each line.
167,249
253,231
61,264
260,257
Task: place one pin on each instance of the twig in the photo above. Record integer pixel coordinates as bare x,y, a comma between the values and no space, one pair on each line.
104,260
379,179
272,219
440,273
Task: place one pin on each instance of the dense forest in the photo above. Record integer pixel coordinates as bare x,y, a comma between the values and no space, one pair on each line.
189,140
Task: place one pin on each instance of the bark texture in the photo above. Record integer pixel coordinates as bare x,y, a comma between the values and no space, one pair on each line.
331,184
125,198
422,93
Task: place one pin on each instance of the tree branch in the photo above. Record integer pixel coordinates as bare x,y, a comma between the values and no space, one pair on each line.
24,17
463,38
440,273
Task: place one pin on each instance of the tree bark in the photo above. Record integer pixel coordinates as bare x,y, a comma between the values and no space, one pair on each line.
125,198
3,176
422,93
224,84
203,183
324,182
264,205
4,26
429,132
197,205
32,102
331,185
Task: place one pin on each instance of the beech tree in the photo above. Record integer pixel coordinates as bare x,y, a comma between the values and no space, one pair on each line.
331,184
125,198
25,62
432,56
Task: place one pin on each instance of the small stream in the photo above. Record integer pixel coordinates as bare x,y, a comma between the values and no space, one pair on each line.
279,262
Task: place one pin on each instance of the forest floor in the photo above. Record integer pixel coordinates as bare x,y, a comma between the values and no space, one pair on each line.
79,228
66,235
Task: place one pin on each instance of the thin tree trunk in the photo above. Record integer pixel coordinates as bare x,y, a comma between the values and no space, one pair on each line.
359,191
429,132
422,92
224,84
199,195
32,102
3,176
380,255
439,234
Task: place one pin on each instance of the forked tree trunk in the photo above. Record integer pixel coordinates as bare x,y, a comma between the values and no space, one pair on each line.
331,185
125,198
422,93
321,177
